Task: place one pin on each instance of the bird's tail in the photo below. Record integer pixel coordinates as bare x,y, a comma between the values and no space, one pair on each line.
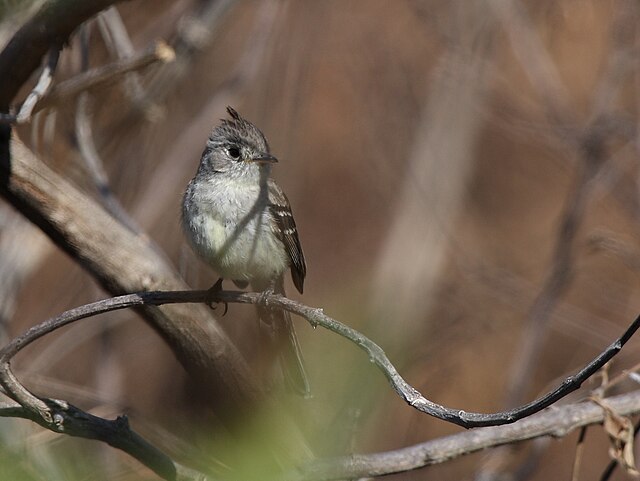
288,347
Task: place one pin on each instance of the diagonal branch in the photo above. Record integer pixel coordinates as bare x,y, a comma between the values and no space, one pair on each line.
72,421
49,27
38,92
122,261
108,74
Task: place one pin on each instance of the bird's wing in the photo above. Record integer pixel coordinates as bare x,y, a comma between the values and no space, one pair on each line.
285,229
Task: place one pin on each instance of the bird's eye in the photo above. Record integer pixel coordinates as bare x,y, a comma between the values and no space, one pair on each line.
234,152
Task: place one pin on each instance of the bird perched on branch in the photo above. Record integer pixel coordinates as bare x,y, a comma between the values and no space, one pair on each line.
240,222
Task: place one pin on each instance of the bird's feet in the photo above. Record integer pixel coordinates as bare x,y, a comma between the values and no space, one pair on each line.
212,294
266,294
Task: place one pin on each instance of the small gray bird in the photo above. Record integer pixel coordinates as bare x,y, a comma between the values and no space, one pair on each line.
240,222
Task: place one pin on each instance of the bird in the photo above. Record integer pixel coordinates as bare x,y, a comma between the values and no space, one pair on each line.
240,222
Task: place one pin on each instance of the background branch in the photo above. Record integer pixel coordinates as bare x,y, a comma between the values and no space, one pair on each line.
118,259
119,44
41,88
49,27
106,75
556,422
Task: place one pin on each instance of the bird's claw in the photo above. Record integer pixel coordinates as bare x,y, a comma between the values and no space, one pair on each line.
226,308
264,295
212,292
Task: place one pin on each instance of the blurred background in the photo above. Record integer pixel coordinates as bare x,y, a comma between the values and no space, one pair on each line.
464,176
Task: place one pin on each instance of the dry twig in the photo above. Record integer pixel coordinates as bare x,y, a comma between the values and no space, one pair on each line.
106,75
120,46
41,88
49,27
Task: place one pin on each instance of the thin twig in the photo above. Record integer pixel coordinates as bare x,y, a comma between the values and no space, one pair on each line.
39,91
559,279
95,166
577,460
120,46
315,317
556,422
536,62
106,75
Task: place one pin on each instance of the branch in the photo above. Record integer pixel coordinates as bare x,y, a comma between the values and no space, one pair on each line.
315,317
94,165
556,422
79,87
73,421
561,272
106,75
49,27
122,261
536,62
118,43
38,92
412,396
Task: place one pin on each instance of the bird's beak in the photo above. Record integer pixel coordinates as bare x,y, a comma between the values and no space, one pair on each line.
264,158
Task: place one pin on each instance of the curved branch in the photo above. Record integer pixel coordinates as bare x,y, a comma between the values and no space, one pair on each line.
412,396
316,317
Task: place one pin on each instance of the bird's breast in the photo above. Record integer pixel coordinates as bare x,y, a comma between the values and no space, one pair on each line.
229,226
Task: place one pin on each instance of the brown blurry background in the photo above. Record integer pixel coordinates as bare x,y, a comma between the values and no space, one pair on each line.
464,179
